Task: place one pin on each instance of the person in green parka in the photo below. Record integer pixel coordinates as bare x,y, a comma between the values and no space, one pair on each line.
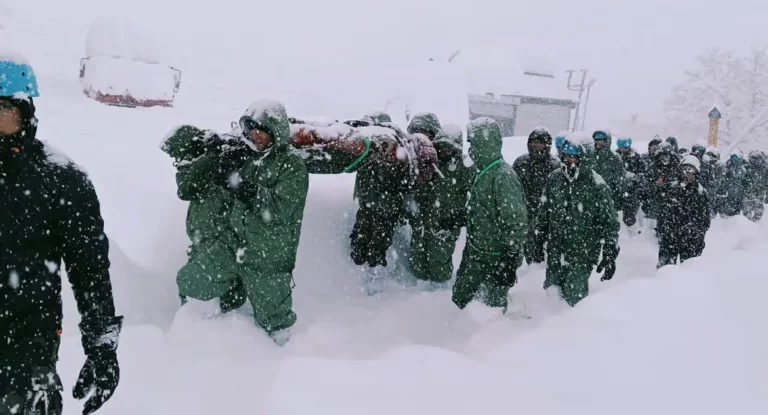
533,169
203,160
576,220
497,222
609,166
266,190
441,209
380,194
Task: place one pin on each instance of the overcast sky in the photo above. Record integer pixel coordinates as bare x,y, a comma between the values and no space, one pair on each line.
636,49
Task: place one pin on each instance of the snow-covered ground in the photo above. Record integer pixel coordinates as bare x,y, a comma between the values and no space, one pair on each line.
686,339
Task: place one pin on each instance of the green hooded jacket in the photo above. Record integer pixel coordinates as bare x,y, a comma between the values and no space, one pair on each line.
497,220
197,172
609,165
575,217
443,199
268,226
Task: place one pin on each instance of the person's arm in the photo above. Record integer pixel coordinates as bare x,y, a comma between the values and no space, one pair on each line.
192,180
282,203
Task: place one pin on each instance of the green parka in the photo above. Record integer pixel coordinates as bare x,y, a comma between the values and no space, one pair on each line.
497,216
609,165
497,222
269,224
576,218
441,210
196,177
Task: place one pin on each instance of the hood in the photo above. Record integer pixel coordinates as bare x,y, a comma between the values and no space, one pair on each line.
272,117
426,123
673,142
540,135
13,144
449,142
484,136
608,135
691,160
451,133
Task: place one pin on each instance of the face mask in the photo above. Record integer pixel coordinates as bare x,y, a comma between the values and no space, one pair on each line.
570,168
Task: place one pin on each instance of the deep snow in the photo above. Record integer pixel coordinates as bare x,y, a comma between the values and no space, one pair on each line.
686,339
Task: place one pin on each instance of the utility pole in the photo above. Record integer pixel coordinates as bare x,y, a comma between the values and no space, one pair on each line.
586,102
580,88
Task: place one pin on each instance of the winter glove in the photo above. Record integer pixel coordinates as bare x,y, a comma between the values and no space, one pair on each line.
247,191
608,263
629,220
230,161
100,374
506,268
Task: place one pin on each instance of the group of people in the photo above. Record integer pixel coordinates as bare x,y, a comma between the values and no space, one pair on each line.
247,192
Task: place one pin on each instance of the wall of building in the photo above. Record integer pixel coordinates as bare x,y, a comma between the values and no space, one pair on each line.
529,116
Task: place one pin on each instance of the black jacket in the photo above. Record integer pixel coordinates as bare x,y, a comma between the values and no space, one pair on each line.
533,173
50,213
684,213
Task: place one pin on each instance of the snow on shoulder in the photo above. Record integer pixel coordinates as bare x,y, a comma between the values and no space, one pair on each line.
482,122
580,138
58,158
598,178
691,161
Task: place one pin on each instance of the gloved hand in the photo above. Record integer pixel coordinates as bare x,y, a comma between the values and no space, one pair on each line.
630,220
506,268
608,263
100,374
230,161
247,191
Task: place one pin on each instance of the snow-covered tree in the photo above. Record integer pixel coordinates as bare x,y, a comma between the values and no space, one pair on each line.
738,85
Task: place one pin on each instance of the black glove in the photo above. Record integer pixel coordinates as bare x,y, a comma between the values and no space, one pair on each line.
506,268
608,263
629,220
246,191
101,372
230,161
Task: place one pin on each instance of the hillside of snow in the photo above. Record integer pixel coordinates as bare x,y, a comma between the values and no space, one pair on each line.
686,339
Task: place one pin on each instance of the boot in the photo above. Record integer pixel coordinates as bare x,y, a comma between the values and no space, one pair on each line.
233,299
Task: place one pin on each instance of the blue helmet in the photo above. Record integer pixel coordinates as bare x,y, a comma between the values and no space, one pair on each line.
17,79
559,140
624,142
570,149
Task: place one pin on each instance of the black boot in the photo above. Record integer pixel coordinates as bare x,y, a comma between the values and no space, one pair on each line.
233,299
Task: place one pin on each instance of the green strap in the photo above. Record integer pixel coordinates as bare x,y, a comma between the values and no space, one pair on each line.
482,252
362,156
485,170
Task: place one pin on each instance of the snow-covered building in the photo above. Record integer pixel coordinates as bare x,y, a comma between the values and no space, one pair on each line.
521,98
123,67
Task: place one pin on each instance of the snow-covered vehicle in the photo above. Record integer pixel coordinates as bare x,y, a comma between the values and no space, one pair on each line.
121,69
